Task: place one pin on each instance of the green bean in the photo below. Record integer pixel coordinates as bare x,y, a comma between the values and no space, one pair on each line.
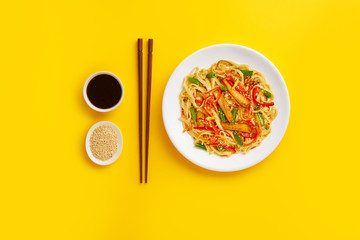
247,73
223,88
234,112
222,115
195,81
211,75
261,119
199,145
237,138
267,94
193,114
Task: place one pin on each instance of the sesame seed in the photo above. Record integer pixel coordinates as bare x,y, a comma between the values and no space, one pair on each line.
103,142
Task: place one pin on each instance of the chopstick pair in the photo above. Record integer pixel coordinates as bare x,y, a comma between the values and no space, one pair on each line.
148,98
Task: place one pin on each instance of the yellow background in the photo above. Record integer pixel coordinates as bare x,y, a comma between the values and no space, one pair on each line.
308,188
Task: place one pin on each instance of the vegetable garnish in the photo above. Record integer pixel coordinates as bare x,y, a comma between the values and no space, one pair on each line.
229,79
195,81
211,75
193,114
234,112
247,135
265,104
248,115
237,138
204,128
267,94
216,130
240,98
211,101
198,99
256,134
207,99
199,145
239,87
209,123
233,108
222,115
247,73
213,140
236,83
224,146
261,119
219,93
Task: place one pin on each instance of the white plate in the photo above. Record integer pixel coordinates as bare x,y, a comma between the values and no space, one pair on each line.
203,59
120,143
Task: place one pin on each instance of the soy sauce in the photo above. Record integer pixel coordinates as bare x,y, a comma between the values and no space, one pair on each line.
104,91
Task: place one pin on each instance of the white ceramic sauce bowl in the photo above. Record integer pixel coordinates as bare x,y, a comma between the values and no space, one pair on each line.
87,100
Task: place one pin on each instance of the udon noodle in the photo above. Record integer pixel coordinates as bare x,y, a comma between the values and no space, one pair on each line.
227,108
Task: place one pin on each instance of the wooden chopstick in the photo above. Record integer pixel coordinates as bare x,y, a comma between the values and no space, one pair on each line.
140,85
148,98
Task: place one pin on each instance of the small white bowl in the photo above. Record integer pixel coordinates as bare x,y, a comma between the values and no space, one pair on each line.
87,100
120,143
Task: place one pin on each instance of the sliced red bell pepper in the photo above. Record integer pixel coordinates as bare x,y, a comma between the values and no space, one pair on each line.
198,100
256,134
209,102
249,92
247,135
248,115
227,78
216,130
241,90
206,104
265,104
228,134
204,128
219,94
250,135
214,140
213,90
209,123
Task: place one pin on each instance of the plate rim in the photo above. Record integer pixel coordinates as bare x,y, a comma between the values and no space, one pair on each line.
287,116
